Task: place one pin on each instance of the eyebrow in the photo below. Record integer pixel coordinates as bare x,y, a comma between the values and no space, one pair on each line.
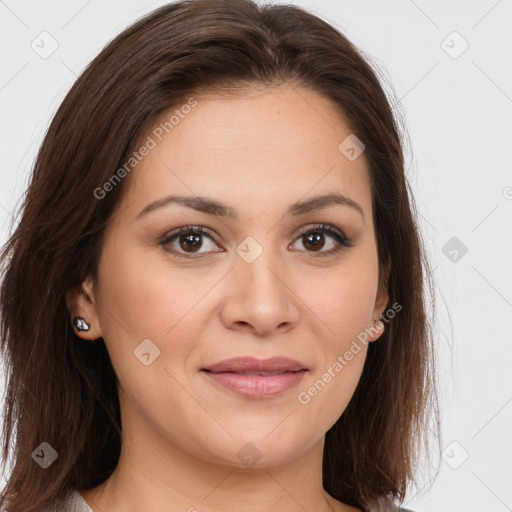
212,207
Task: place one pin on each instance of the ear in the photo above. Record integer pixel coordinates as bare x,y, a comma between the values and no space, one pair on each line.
81,302
381,302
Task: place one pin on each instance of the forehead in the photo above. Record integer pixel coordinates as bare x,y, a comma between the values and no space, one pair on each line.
257,144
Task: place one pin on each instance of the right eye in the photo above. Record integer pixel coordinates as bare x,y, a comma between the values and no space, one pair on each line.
186,237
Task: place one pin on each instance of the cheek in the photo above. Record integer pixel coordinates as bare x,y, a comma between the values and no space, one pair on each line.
140,302
351,309
344,300
150,296
343,307
341,337
324,397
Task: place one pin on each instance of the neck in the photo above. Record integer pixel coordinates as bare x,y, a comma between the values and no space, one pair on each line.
158,473
146,479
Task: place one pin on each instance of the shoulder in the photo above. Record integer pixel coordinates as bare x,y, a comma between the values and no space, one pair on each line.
76,503
342,507
73,503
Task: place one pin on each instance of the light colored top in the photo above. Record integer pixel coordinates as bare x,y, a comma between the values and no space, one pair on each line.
77,504
74,503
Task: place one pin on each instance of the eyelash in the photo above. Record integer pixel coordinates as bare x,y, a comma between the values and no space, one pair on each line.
338,235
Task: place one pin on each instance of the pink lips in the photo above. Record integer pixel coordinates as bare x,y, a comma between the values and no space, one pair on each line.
257,378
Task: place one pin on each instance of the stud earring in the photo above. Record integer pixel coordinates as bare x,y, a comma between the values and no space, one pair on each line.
80,325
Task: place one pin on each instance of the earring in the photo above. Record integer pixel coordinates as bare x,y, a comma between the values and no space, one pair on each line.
80,325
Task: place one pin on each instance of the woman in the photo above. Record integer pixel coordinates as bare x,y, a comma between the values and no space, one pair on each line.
214,299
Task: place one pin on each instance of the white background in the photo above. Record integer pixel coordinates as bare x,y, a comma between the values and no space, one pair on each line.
458,111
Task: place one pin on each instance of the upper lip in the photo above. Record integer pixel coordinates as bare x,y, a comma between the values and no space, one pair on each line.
247,363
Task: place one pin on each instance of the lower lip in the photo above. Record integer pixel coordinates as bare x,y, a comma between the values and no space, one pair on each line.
257,386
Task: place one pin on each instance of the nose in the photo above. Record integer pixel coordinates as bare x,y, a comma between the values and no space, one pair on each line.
260,297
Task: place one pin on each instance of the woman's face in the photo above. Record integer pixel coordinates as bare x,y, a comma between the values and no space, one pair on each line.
250,284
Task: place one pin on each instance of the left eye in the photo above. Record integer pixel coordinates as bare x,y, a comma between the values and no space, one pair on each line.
188,237
190,240
314,237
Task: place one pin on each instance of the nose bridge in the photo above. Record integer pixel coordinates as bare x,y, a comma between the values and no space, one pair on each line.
260,295
258,267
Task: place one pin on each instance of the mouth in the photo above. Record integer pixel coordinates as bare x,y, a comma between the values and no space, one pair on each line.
256,384
256,373
256,378
272,365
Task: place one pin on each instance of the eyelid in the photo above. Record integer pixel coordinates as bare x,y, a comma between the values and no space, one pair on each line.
322,227
342,240
187,228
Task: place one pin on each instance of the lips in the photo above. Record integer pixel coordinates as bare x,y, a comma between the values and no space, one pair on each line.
252,366
256,378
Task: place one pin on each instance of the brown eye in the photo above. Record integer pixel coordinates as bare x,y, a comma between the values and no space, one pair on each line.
191,241
187,240
314,240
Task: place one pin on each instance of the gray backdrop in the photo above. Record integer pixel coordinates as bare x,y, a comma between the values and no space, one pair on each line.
449,66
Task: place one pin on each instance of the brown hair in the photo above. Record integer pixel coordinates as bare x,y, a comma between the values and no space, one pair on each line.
64,392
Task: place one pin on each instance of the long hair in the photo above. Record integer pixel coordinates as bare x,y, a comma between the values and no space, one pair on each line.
63,392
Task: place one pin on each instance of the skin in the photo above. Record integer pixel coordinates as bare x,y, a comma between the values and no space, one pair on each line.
259,152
